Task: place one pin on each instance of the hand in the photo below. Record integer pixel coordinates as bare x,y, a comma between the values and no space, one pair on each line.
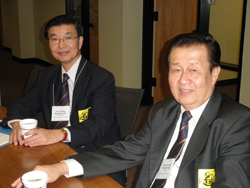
43,137
54,172
16,134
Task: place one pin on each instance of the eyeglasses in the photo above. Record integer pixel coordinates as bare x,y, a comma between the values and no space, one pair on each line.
65,40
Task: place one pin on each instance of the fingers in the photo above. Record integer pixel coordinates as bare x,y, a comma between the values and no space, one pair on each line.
43,137
39,137
17,183
16,136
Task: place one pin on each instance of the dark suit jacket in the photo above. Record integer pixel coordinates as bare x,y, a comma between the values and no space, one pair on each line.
94,88
220,141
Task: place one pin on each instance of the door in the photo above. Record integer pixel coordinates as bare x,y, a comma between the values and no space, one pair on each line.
174,17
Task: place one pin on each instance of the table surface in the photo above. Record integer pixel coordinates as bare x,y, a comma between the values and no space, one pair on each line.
17,160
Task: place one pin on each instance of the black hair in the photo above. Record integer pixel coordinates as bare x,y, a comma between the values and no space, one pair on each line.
63,19
195,38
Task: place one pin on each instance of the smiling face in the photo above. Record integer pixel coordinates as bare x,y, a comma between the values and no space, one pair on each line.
66,53
190,79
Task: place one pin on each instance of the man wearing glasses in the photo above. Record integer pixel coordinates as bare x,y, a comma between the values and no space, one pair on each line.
88,103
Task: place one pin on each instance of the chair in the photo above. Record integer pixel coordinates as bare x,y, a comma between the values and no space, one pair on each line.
127,104
32,79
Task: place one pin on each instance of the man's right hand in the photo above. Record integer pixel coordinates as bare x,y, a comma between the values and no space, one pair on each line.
16,134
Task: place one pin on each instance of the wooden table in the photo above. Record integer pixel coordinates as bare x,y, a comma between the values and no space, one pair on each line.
3,111
17,160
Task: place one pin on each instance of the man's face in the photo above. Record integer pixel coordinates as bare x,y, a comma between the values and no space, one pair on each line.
65,52
190,80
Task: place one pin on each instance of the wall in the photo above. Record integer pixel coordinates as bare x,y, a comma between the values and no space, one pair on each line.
225,26
120,40
6,23
26,29
43,11
23,26
244,87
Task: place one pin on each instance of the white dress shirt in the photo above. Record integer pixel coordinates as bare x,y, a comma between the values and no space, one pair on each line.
76,169
71,82
196,113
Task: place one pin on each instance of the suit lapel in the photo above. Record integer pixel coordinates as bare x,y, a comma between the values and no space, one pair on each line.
56,85
202,129
163,132
80,78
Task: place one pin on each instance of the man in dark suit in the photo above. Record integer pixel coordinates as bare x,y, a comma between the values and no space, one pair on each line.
91,104
215,130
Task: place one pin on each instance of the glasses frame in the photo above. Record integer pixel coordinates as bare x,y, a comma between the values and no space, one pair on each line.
63,39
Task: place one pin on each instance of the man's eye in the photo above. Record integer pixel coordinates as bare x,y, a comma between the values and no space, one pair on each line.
54,39
68,38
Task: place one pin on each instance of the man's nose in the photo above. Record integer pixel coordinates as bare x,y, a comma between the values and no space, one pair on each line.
61,43
184,78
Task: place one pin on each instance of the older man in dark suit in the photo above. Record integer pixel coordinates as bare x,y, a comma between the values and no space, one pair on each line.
199,138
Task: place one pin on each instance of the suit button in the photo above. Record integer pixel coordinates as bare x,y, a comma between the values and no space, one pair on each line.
82,146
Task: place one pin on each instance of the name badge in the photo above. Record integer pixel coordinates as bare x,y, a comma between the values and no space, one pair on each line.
60,113
206,177
165,169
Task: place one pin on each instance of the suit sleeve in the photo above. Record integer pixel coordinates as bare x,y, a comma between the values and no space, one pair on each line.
232,165
119,156
101,121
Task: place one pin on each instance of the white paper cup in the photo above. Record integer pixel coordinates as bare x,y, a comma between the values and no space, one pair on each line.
27,125
35,179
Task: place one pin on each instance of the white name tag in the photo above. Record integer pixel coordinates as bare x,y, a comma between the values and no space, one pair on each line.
165,169
60,113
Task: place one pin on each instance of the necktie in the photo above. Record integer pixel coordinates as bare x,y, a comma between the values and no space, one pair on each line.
177,147
64,100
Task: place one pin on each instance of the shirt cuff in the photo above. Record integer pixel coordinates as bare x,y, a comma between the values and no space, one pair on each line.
11,121
75,168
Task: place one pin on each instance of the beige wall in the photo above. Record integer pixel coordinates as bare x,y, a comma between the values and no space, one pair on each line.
225,26
120,40
43,11
6,23
120,24
245,77
26,29
23,26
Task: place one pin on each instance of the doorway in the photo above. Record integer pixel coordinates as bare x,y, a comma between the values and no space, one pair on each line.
86,11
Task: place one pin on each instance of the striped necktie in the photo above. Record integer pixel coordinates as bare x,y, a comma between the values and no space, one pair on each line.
64,100
175,152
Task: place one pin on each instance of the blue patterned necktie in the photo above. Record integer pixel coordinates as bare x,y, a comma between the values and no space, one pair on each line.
177,147
64,100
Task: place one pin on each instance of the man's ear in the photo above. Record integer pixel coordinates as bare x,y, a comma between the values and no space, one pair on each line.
80,41
215,73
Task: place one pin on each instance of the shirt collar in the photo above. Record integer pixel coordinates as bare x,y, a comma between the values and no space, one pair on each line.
196,113
73,70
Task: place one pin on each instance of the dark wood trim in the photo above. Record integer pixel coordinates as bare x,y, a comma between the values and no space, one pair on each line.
227,82
85,23
7,49
31,60
69,4
147,51
85,50
203,16
229,66
244,10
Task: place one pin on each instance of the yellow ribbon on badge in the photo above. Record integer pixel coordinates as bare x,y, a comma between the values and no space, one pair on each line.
83,114
205,178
